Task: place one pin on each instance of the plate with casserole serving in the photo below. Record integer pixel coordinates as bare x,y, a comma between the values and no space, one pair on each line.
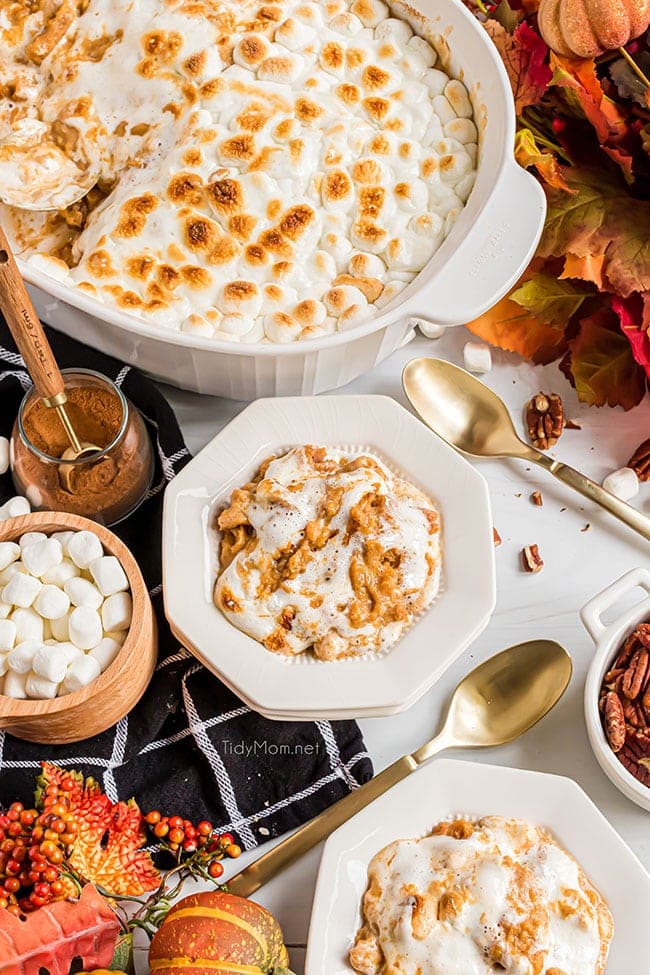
328,557
472,869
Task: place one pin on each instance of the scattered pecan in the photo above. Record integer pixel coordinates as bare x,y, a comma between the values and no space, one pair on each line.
572,425
640,461
614,721
496,537
545,420
536,498
531,559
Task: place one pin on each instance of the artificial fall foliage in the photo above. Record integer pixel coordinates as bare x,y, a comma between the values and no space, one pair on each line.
584,129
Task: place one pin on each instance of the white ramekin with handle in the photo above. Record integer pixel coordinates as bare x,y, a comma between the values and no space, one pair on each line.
490,245
608,639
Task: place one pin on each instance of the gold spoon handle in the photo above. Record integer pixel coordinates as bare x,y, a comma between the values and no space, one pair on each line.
27,330
288,851
589,489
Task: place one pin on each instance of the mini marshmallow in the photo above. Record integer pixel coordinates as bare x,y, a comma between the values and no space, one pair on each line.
4,455
59,574
116,612
11,571
118,635
5,610
40,687
281,327
624,483
420,51
63,538
81,592
21,590
4,664
69,651
59,628
462,130
29,538
105,652
7,635
14,507
83,548
85,626
29,625
42,555
456,95
52,603
9,552
109,575
15,685
21,657
82,671
429,329
477,357
51,663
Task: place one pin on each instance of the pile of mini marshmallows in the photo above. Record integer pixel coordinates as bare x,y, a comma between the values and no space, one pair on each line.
65,609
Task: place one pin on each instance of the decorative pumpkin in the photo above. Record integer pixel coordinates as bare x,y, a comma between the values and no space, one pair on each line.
588,28
215,933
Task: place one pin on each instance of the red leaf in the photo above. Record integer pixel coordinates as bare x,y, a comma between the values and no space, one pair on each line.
631,312
53,936
524,55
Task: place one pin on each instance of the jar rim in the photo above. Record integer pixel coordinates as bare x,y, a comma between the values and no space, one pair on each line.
90,458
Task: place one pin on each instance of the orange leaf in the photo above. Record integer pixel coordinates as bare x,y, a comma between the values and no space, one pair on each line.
602,364
509,326
528,153
580,78
589,268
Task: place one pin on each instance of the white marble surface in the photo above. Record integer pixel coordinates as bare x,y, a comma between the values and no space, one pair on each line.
578,564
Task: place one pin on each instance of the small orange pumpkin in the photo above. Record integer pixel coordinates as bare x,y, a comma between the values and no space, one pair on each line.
588,28
215,933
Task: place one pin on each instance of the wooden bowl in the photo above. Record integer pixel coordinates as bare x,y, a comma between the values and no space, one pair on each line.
101,704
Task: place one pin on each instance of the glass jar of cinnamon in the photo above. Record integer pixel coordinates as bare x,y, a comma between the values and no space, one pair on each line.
106,485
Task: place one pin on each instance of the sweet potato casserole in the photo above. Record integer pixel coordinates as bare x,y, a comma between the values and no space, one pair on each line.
265,171
497,895
328,551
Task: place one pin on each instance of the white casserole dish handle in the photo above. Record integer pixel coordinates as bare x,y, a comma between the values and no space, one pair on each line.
592,613
490,259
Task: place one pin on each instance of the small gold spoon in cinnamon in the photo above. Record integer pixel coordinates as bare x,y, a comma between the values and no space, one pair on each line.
35,349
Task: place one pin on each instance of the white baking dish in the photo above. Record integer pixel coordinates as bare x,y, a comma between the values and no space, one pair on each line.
609,639
491,243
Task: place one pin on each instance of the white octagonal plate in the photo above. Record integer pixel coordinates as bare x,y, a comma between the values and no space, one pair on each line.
448,788
304,687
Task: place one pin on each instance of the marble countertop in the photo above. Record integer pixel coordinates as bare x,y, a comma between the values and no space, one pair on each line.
579,562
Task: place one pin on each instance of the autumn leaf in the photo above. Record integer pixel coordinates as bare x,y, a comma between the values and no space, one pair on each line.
528,153
510,327
549,300
524,56
584,91
589,268
602,364
506,16
632,313
601,220
107,850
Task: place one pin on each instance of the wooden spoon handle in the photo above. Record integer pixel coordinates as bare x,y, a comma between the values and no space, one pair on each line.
27,330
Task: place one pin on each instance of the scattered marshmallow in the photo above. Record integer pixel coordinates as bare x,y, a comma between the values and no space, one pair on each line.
429,329
109,575
4,455
85,626
477,357
83,548
624,483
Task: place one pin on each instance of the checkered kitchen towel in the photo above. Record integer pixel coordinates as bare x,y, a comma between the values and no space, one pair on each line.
190,746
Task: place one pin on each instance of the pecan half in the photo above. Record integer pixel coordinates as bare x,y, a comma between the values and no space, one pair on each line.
614,721
536,498
531,559
545,420
496,537
640,461
634,677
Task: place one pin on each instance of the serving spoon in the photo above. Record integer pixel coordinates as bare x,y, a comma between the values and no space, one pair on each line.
494,704
469,416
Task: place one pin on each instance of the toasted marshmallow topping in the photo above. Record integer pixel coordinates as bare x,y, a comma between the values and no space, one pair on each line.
496,895
238,146
324,549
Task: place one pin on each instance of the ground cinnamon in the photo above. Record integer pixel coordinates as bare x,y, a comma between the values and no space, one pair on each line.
106,487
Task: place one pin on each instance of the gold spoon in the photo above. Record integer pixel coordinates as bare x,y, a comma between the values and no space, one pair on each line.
497,702
35,349
473,419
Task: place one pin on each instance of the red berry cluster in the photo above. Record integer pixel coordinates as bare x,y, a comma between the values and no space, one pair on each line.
33,846
183,837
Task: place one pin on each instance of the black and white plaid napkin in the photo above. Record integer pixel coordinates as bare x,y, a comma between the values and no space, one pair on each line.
190,746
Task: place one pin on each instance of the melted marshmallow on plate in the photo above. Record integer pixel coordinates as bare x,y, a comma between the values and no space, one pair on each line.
498,895
317,148
327,550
